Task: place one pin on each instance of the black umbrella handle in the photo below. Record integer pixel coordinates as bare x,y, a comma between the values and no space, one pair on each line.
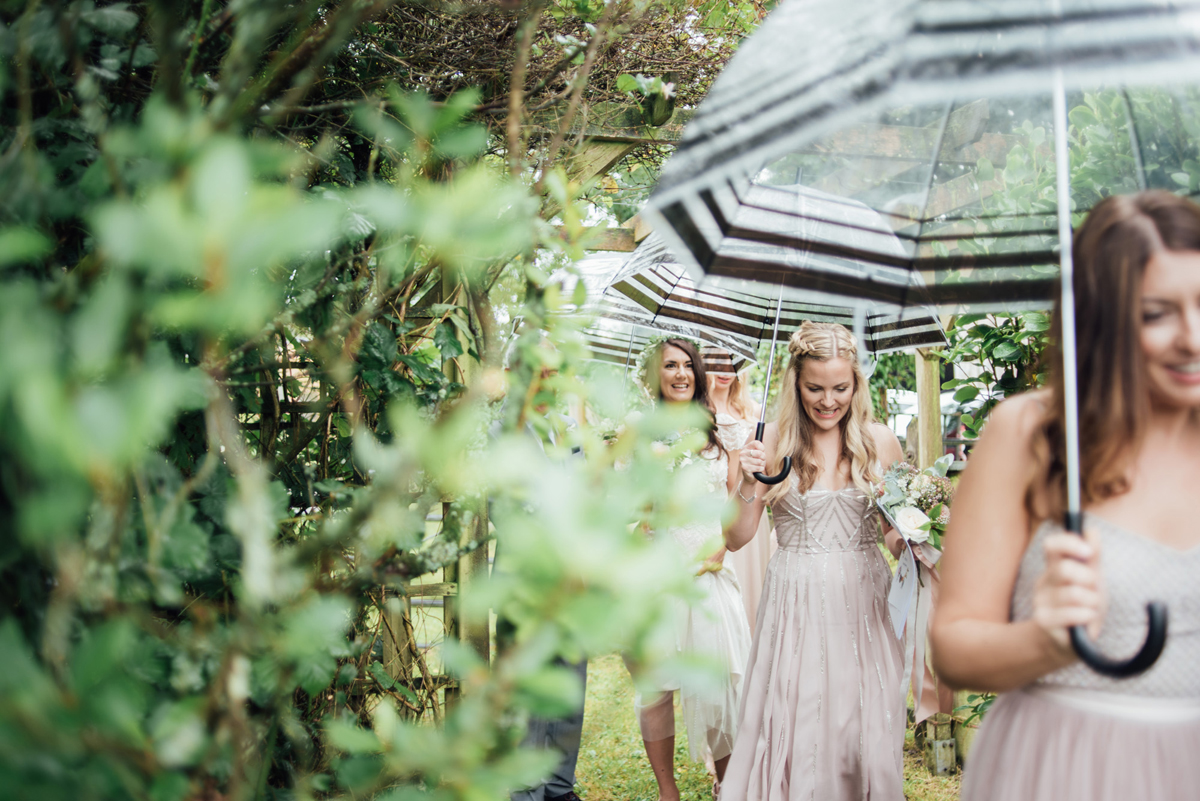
763,478
1152,648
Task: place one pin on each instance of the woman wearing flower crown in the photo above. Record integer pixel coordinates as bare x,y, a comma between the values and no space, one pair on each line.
736,415
673,373
822,715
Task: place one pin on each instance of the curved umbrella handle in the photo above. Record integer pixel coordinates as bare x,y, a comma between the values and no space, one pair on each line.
1152,648
763,478
1156,639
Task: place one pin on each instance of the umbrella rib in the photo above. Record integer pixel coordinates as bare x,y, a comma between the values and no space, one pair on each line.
1134,144
933,161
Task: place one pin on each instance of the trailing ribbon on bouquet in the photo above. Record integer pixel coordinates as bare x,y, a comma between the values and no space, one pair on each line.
917,504
916,664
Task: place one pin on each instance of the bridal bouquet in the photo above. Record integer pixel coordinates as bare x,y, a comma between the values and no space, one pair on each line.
917,502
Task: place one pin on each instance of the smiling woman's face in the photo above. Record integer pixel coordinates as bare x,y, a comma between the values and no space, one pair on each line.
677,376
1170,336
826,389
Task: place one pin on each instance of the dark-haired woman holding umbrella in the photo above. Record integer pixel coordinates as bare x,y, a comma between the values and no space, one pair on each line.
1013,582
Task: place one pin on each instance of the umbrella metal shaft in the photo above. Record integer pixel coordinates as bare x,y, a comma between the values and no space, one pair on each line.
762,415
1067,268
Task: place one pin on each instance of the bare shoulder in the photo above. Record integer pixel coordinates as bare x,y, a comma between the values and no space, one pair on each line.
1006,447
883,435
887,445
1016,420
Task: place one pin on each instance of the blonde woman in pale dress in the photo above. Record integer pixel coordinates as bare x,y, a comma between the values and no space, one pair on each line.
823,716
1013,581
737,414
715,627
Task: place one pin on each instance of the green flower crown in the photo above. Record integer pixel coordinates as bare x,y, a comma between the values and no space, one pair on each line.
641,367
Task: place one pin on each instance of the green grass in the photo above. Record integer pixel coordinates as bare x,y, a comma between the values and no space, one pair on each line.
920,784
612,762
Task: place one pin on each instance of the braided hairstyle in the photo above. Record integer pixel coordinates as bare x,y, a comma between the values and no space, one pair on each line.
822,342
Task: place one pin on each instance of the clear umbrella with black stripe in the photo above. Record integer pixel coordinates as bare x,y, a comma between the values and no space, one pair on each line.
621,329
653,282
974,129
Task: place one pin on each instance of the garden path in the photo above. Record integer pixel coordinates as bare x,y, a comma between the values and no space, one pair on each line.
612,762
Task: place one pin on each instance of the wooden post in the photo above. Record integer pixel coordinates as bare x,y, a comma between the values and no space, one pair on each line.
597,158
397,651
929,408
940,751
450,575
472,568
964,733
939,745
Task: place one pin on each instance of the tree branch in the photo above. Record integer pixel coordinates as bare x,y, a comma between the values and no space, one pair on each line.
516,88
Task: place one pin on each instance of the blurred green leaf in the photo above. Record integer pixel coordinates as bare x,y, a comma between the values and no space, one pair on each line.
348,737
20,245
179,733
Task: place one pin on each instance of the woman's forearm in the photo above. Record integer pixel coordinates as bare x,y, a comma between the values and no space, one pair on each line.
893,541
994,657
741,530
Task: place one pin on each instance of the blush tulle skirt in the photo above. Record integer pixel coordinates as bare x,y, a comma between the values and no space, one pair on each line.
823,717
1069,744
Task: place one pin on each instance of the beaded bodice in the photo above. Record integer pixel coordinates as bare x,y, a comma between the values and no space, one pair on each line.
825,521
1135,571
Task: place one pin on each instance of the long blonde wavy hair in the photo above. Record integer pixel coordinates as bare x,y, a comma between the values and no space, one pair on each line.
822,342
739,396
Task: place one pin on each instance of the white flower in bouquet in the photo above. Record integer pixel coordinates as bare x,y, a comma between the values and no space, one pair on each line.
919,483
909,520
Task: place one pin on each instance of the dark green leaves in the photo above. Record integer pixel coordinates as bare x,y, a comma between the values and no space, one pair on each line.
1006,352
378,348
966,394
314,636
445,338
1001,355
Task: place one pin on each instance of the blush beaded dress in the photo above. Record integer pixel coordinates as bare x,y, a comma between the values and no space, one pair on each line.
1074,734
823,717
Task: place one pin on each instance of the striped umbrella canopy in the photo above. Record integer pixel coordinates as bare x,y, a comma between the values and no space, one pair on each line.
618,342
622,329
654,282
939,116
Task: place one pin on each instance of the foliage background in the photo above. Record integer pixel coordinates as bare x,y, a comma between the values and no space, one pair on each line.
255,390
258,261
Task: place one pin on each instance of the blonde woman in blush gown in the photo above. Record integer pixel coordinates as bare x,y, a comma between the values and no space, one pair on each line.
1013,581
823,717
716,626
737,415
